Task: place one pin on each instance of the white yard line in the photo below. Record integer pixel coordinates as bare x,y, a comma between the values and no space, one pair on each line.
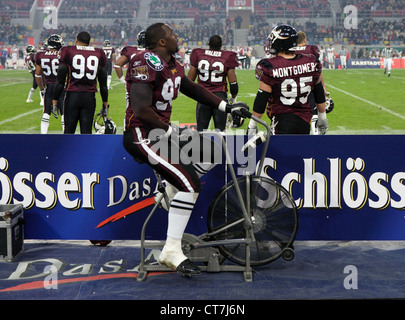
12,83
369,102
19,116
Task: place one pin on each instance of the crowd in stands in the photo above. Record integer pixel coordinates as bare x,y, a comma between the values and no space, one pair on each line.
9,5
120,33
293,8
369,32
181,9
200,33
98,9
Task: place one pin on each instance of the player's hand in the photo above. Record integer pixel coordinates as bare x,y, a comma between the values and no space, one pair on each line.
236,109
322,124
104,110
55,111
232,100
122,79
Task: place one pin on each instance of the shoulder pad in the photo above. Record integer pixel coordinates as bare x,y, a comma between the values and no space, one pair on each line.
265,64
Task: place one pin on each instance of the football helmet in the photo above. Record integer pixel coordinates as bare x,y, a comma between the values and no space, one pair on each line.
54,42
106,43
141,39
30,49
329,105
235,121
104,125
281,38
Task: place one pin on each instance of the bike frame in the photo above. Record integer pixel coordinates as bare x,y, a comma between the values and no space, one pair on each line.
144,268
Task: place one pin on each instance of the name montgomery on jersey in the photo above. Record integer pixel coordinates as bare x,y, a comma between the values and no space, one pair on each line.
294,70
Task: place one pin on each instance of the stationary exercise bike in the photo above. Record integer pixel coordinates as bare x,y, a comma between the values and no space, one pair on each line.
251,221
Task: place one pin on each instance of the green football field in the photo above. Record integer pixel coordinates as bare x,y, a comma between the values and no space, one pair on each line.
366,102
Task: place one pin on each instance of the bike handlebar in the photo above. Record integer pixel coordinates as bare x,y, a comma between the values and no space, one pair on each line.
246,113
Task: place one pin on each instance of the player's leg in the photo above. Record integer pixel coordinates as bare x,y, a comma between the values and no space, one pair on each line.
61,105
218,116
160,156
32,90
389,66
203,116
289,123
86,113
71,111
47,110
109,72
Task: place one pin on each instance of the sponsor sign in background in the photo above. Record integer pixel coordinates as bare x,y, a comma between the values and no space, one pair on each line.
239,4
371,63
88,187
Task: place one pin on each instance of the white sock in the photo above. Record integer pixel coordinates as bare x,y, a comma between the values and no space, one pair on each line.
44,123
179,214
31,93
62,121
108,81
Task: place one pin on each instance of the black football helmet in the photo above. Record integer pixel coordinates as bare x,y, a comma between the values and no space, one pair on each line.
141,39
104,125
329,105
235,121
107,43
54,42
281,38
30,49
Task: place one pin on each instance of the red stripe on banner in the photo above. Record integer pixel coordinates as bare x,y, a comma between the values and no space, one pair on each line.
132,209
40,284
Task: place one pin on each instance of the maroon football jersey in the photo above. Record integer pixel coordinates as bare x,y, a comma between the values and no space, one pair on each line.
108,52
84,63
212,67
308,49
164,78
129,52
291,80
49,62
30,62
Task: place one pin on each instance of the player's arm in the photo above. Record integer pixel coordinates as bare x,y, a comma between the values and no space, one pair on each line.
60,82
259,105
197,92
102,81
141,95
192,73
119,63
319,96
233,84
38,76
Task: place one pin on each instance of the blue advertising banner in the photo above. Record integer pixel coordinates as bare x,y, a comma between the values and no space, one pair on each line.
360,63
88,187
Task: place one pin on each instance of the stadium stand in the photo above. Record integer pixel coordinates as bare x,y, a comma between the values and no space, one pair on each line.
196,20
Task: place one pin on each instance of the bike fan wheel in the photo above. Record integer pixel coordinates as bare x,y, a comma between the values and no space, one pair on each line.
274,219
